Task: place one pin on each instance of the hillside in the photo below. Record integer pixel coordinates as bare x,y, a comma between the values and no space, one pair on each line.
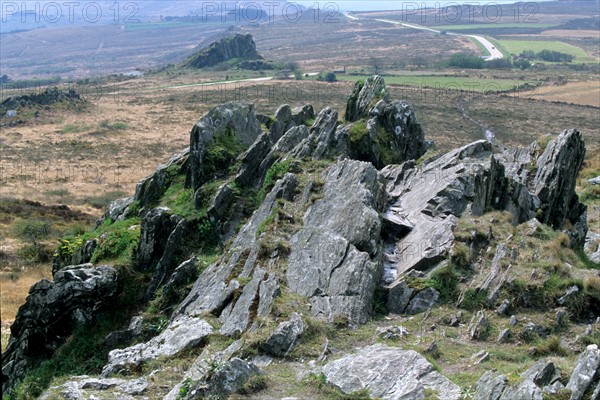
235,272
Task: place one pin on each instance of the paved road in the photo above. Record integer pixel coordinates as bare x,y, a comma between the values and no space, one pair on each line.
495,54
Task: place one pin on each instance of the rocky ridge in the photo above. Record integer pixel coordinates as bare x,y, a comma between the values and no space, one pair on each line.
336,220
239,46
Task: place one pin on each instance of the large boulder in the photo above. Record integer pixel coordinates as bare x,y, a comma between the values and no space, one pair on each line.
85,387
52,311
182,333
426,202
586,373
336,260
238,46
554,183
285,337
389,373
157,225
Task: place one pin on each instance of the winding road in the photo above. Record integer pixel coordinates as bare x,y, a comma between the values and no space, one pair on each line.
495,54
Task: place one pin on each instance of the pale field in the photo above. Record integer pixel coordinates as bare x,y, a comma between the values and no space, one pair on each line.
585,93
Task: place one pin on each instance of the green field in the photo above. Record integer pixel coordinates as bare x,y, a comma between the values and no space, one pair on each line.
491,26
518,46
448,82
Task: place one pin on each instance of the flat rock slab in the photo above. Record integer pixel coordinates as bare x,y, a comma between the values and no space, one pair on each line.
184,332
389,373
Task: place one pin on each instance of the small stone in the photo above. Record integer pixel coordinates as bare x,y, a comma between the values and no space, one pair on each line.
513,321
571,291
503,308
480,357
503,336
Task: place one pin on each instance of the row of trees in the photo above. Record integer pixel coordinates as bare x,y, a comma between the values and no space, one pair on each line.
547,55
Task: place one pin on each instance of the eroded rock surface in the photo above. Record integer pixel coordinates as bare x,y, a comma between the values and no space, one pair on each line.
389,373
51,313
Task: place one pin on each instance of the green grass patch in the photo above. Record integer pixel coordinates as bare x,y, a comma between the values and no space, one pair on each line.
277,171
516,47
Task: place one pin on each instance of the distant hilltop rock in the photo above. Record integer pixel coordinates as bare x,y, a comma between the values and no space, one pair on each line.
45,98
228,48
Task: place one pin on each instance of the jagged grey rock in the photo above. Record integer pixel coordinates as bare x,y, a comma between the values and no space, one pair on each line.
302,115
423,219
388,373
150,189
157,226
285,337
594,181
237,317
237,117
202,366
503,336
364,96
213,291
334,259
479,326
532,331
124,337
229,377
585,372
391,332
83,255
85,387
554,183
51,313
423,301
399,295
542,373
181,333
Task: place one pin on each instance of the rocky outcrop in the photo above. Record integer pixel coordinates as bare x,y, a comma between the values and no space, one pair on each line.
228,377
201,369
586,373
238,46
51,313
541,378
385,132
214,290
85,387
364,96
554,183
182,333
389,373
426,202
347,250
236,122
47,97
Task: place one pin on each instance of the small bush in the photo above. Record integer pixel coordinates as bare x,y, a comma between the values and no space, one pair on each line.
474,299
551,346
255,384
591,287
